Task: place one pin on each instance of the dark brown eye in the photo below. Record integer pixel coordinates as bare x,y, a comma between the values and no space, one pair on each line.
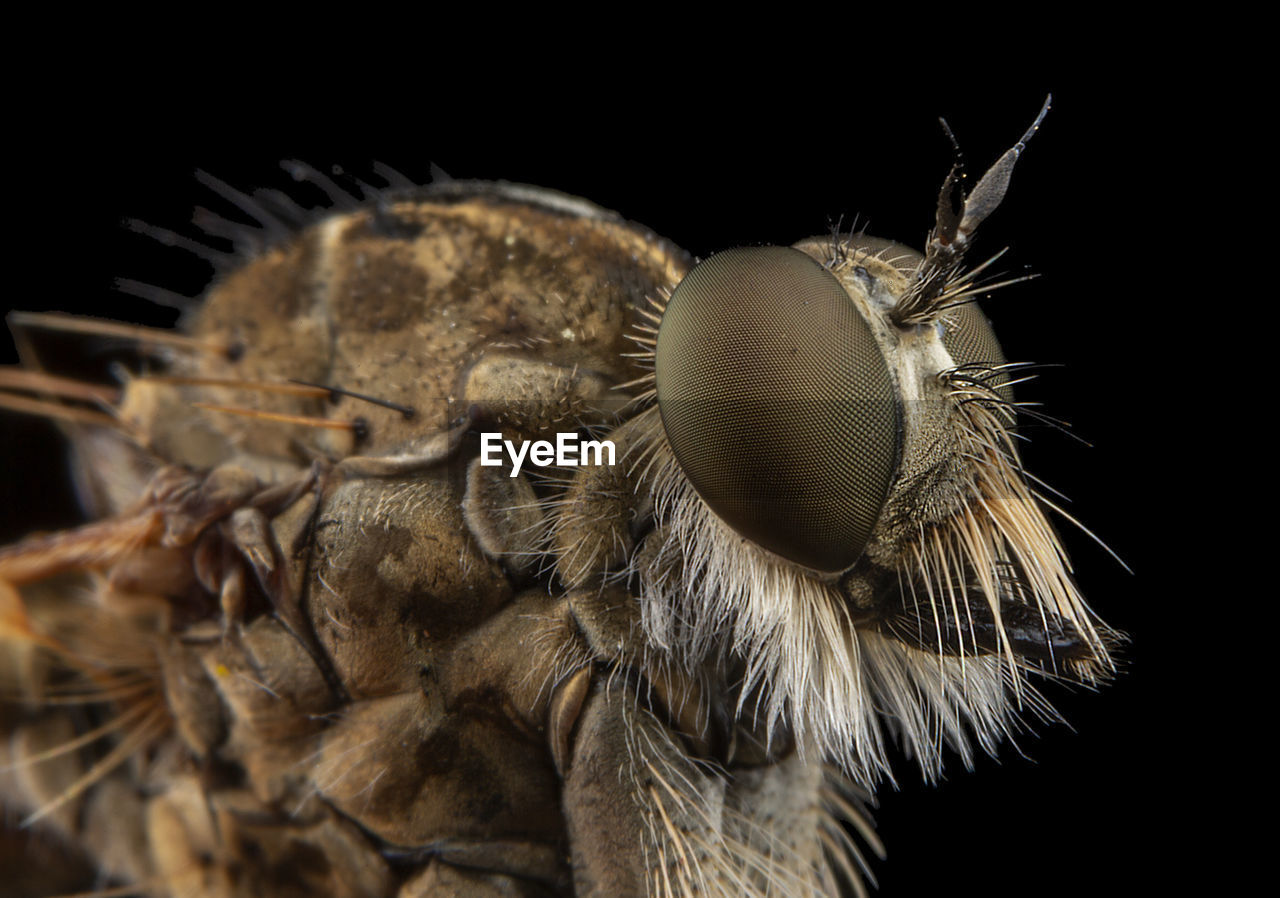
777,402
970,341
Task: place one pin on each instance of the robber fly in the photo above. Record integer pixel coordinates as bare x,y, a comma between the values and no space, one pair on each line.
470,539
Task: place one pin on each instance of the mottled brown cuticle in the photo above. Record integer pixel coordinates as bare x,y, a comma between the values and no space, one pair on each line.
319,648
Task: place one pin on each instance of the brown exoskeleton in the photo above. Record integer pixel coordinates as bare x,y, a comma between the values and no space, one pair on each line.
318,647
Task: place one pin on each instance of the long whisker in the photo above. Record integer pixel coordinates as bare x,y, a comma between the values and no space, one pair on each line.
43,409
12,378
280,418
151,726
147,336
230,383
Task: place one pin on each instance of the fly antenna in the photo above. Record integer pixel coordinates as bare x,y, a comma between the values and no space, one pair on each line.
956,219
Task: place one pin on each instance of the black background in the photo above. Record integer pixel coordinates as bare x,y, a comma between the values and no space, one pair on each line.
1081,809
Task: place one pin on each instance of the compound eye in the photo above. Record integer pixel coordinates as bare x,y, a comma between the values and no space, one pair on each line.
777,401
969,339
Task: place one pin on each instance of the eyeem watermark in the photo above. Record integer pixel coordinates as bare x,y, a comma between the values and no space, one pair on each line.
567,451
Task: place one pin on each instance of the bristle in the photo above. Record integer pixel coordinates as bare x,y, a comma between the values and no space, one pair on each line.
91,546
165,237
42,409
970,275
280,418
406,412
810,668
248,204
97,692
230,383
397,180
337,196
144,336
12,378
152,725
704,838
645,337
1003,523
122,719
959,295
15,622
929,302
838,792
235,232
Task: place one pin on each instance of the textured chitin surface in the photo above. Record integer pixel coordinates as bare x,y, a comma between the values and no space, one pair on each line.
310,644
349,688
439,747
398,302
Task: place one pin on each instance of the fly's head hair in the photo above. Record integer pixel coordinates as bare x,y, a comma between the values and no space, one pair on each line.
839,504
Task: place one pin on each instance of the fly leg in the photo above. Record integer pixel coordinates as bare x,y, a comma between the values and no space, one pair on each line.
605,509
647,818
